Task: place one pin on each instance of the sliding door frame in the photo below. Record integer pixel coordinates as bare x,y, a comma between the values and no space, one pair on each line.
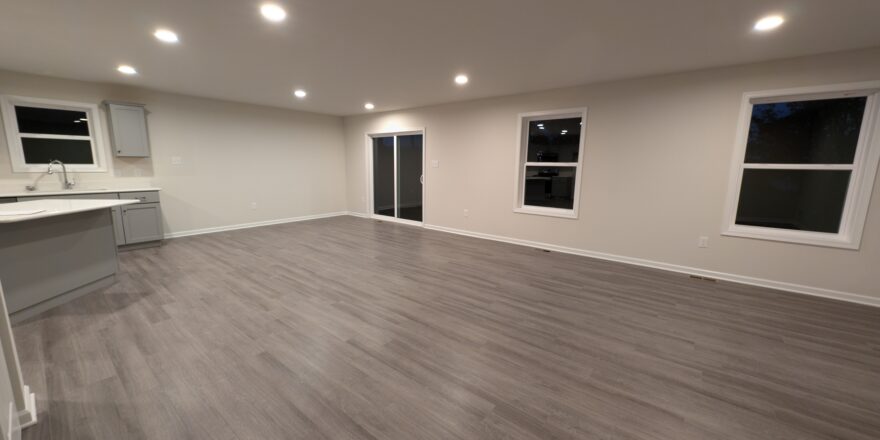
368,155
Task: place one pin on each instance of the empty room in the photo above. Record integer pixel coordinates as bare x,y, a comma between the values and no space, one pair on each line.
444,219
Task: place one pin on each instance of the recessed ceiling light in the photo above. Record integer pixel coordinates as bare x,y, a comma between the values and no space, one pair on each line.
369,106
461,80
273,12
300,93
126,69
769,22
166,36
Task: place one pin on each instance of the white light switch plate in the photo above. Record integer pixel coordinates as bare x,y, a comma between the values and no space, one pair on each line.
176,160
435,164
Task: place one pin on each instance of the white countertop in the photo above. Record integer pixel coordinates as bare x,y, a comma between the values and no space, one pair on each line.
54,207
76,191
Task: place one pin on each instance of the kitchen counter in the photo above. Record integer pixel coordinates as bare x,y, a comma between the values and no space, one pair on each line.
64,251
75,191
20,211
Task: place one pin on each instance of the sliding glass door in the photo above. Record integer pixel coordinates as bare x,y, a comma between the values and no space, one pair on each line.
397,176
383,177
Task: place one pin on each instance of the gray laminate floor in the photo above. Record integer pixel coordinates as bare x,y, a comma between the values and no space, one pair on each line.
346,328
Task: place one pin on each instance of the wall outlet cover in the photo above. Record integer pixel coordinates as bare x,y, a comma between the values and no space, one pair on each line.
703,242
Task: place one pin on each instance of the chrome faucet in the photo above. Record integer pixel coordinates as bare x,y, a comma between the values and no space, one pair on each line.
67,183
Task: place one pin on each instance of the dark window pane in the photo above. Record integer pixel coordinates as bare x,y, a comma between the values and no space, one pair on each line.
805,200
550,187
69,151
409,178
383,176
554,140
51,121
822,131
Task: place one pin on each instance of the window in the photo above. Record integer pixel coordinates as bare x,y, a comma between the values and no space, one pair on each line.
39,131
549,158
805,165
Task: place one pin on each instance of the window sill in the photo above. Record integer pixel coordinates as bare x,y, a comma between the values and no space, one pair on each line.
822,239
70,169
549,212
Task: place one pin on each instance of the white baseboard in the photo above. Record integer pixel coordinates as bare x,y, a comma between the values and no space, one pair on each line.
253,225
27,416
742,279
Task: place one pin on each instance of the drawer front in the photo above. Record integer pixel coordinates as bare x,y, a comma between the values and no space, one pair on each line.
99,196
142,196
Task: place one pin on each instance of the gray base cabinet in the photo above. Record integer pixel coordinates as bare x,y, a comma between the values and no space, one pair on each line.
118,230
142,223
132,224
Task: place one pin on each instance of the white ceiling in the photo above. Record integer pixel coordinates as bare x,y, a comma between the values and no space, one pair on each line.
405,53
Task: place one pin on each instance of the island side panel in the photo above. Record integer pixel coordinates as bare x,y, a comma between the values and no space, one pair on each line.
44,262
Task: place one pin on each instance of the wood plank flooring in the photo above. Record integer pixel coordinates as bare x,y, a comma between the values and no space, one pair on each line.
346,328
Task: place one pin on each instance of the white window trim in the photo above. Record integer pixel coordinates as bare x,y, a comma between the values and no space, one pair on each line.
13,137
864,167
522,143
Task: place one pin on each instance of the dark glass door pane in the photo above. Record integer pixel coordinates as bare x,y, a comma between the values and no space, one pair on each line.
804,200
37,120
554,140
409,177
552,187
383,176
816,132
69,151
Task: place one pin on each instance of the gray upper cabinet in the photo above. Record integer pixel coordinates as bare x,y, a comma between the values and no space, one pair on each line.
128,129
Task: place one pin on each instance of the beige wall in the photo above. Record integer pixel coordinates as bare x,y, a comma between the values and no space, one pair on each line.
290,163
658,154
656,165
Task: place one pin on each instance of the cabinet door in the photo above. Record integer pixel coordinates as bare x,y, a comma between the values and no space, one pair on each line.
118,229
128,128
142,222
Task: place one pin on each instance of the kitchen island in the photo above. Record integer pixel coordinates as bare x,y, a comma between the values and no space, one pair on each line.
55,250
